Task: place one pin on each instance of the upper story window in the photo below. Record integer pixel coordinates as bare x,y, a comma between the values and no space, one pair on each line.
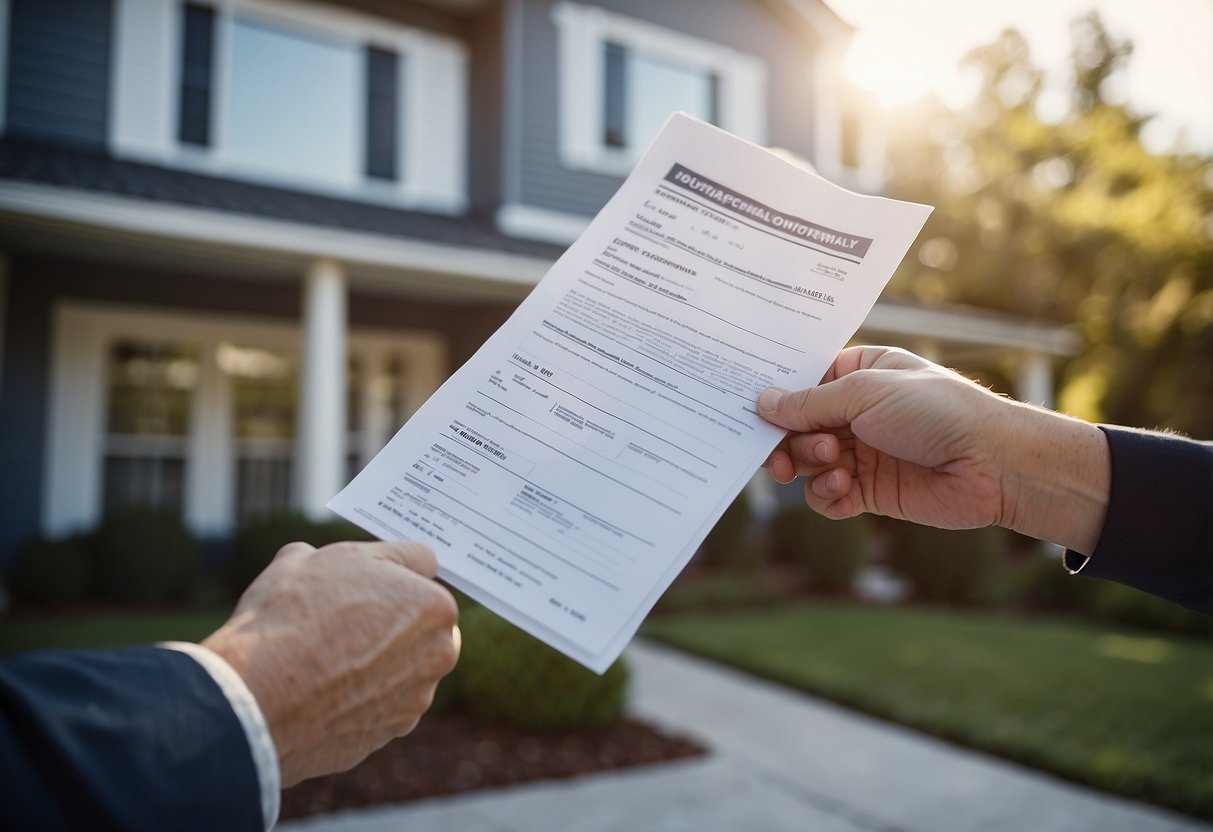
620,78
291,108
295,94
641,90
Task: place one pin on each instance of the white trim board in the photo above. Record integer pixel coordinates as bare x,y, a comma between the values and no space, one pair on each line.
819,17
282,237
978,329
543,224
507,271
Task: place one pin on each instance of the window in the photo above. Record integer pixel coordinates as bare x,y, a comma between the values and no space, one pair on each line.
309,96
198,414
640,91
292,107
264,387
151,388
197,52
620,78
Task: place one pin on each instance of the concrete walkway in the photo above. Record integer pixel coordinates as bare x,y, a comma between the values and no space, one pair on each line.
780,760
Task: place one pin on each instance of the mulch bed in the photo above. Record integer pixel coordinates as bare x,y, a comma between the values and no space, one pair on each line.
452,752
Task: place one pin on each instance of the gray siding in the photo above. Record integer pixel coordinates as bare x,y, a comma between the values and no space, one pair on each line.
748,25
59,70
23,396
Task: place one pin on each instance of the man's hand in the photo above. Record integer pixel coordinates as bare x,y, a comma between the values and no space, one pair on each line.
342,647
890,433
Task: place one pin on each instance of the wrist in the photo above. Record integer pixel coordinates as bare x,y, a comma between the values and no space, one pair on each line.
1056,477
242,649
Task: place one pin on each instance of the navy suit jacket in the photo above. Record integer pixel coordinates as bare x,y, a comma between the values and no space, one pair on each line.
135,738
1158,535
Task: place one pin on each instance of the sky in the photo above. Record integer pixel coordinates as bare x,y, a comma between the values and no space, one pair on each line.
906,47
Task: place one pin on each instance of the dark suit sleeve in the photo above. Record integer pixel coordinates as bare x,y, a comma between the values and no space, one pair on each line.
132,739
1158,535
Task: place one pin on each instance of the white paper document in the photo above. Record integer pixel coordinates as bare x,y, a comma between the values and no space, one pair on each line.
567,473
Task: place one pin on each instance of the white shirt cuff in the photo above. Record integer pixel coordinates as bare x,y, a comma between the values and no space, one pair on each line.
256,731
1074,564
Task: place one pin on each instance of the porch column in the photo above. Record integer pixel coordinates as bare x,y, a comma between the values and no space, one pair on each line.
210,485
320,455
1034,380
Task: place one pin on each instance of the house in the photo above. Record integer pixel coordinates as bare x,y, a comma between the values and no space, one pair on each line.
242,240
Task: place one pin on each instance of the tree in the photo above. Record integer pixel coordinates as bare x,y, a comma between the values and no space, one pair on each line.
1073,222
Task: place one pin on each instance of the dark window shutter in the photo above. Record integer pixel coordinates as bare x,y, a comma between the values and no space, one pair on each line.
614,97
382,113
197,57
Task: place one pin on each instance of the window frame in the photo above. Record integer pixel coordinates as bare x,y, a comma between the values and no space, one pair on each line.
583,33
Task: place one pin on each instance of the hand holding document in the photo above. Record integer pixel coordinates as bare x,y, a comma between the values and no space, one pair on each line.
566,474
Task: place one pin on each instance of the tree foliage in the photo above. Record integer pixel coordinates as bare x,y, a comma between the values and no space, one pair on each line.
1070,220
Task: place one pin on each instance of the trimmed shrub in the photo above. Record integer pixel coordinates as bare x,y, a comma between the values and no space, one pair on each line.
731,544
968,566
447,696
260,540
53,571
833,551
505,675
1124,605
718,593
209,591
1045,585
143,555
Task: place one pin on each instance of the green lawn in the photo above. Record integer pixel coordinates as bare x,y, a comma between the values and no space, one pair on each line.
106,629
1123,710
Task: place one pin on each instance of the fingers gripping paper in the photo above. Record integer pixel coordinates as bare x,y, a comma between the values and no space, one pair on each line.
568,471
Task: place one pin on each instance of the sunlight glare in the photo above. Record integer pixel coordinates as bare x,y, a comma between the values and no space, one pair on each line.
886,65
